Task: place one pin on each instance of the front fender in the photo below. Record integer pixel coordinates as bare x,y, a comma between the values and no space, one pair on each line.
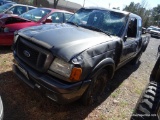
108,64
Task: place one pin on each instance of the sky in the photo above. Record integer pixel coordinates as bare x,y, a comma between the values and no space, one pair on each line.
115,3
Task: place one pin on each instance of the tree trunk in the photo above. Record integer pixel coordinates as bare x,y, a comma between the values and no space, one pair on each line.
55,3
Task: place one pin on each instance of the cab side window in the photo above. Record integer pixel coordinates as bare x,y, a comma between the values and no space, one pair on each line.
132,28
18,10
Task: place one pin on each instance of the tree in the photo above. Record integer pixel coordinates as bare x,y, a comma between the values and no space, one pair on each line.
156,15
55,3
140,9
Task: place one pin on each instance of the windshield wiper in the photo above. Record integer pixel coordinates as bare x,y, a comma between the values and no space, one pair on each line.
96,29
72,23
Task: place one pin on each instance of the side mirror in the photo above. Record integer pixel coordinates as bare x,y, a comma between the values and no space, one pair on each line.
9,12
47,21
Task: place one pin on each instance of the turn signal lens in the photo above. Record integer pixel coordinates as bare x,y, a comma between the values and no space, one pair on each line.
75,74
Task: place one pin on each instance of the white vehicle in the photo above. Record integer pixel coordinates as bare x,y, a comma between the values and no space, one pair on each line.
155,32
16,9
150,28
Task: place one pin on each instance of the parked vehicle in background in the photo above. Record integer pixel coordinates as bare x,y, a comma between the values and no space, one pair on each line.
1,109
2,2
76,59
9,24
150,28
155,32
143,30
4,7
148,105
15,9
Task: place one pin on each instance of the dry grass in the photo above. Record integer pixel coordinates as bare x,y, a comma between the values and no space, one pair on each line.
118,102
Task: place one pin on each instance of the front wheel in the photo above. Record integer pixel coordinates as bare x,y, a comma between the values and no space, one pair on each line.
96,87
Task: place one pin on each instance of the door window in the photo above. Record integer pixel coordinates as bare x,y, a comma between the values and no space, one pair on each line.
18,10
56,17
132,28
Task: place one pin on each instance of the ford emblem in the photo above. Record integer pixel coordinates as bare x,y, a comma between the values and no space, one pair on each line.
26,53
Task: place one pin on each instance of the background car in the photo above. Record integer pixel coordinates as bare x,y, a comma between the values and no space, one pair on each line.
16,9
143,30
2,2
1,109
9,24
5,7
150,28
148,106
155,32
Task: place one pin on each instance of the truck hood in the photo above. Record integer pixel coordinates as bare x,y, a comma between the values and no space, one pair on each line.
65,40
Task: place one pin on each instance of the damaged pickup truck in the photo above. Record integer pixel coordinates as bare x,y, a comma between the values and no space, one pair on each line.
76,59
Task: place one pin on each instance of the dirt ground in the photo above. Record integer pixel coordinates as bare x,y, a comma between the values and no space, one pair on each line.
118,102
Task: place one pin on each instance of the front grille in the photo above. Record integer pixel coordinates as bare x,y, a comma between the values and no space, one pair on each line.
33,55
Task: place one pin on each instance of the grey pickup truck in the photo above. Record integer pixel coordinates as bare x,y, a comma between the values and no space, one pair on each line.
74,60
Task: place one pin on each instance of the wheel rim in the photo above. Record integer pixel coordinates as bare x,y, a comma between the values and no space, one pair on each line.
98,86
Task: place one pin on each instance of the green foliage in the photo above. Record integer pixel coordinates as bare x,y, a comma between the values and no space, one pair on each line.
156,15
149,17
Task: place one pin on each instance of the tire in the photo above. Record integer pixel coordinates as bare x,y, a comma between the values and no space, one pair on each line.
96,88
148,105
155,75
135,60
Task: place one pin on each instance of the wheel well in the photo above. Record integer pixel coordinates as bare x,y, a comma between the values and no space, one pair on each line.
110,70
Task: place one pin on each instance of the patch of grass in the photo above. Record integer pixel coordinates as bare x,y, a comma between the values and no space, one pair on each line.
102,117
123,103
138,91
115,94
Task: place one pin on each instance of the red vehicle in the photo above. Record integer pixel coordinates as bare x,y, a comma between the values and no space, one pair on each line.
9,23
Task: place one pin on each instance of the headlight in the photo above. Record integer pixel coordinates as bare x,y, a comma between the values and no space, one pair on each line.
67,70
61,67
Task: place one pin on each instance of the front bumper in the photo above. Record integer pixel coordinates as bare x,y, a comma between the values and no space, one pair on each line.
52,87
1,109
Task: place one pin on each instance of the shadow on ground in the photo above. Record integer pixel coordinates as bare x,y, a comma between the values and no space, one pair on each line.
5,49
21,102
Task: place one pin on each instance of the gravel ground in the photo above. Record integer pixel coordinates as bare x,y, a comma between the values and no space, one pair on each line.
118,102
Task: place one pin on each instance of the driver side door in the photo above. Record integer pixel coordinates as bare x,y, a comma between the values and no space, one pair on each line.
131,40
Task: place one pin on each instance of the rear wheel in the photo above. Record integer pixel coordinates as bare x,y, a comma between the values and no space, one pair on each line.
135,60
148,105
96,88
